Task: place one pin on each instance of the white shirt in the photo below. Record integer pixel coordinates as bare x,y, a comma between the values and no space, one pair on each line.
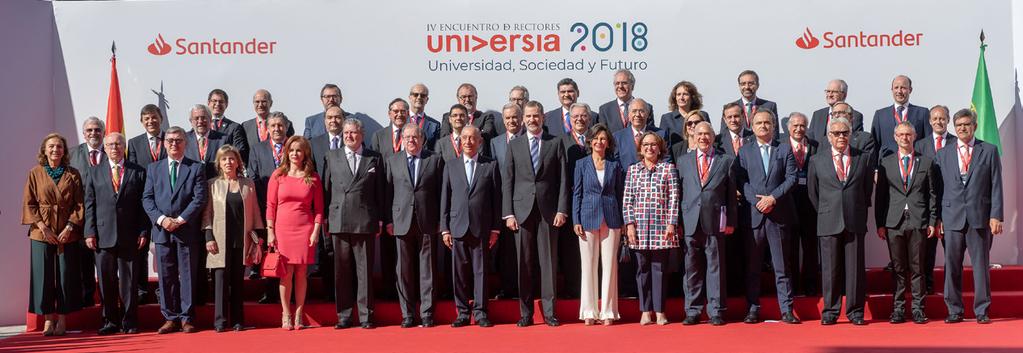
330,140
159,220
118,164
600,175
357,154
154,141
934,139
539,139
475,164
959,150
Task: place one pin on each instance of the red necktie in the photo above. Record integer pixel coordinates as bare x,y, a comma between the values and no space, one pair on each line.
94,157
840,166
937,144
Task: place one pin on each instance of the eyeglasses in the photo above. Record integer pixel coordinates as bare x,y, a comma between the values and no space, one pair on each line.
417,94
467,96
326,96
830,91
841,112
693,123
174,141
839,133
94,130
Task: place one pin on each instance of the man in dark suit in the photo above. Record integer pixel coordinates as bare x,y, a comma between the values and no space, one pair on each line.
861,140
840,181
708,215
418,96
885,119
83,158
256,131
683,147
330,95
354,183
734,133
470,223
116,227
749,103
733,136
929,147
971,214
203,142
804,264
448,146
321,145
836,92
767,173
174,196
467,96
235,135
388,142
536,205
574,145
906,212
504,257
628,138
144,149
558,121
265,158
414,178
615,114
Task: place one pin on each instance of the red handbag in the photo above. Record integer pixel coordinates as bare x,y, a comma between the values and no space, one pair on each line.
273,264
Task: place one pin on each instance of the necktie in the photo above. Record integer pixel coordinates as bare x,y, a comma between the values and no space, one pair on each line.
334,142
470,170
396,143
351,161
906,172
152,143
568,123
458,146
800,155
898,111
636,138
937,144
623,110
965,156
202,147
93,157
174,173
765,155
582,140
412,169
840,166
736,143
534,152
749,114
117,178
705,168
261,125
277,154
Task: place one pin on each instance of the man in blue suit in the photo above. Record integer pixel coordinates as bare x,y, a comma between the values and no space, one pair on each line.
970,213
749,103
615,114
558,121
767,174
639,118
885,119
330,95
418,96
174,197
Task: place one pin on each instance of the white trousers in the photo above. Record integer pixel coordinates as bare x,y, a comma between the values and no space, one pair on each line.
599,249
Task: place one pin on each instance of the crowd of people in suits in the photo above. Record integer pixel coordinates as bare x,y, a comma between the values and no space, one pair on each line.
582,203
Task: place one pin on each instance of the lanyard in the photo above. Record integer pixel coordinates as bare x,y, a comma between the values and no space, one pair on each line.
905,170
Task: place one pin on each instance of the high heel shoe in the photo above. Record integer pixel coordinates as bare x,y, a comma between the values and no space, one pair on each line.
662,319
286,322
589,322
60,328
645,319
298,320
48,325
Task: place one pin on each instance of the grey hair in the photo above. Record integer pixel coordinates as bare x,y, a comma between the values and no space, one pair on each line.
278,115
844,87
91,119
525,91
582,105
838,120
202,107
357,123
512,106
628,75
646,106
118,136
965,112
176,130
471,127
413,127
798,114
269,97
941,107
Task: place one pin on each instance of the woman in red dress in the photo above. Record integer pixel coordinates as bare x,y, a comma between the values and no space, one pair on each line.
294,210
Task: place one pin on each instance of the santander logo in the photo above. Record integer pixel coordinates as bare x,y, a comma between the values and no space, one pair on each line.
859,39
807,40
159,46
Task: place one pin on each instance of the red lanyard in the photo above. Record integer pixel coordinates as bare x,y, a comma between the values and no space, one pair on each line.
262,129
748,116
202,148
898,119
396,140
219,123
277,154
906,169
454,144
576,137
155,153
965,158
621,113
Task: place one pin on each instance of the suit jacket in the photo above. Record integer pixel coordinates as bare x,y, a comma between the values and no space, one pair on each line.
80,158
55,205
818,129
357,202
484,121
139,153
802,171
117,219
625,149
777,182
186,200
471,206
979,199
702,203
761,104
554,121
594,203
498,147
431,130
674,126
214,141
883,127
420,200
573,153
251,130
383,142
892,196
261,166
926,145
723,140
841,206
315,125
215,220
612,117
547,187
319,146
234,135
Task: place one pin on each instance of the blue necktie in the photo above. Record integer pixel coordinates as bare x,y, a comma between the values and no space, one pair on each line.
334,143
899,111
905,164
469,169
534,152
765,155
568,123
412,169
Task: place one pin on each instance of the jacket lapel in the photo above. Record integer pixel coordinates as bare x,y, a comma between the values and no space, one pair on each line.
977,147
183,173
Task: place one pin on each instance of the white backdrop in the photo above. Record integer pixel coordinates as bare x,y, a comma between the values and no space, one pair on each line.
376,50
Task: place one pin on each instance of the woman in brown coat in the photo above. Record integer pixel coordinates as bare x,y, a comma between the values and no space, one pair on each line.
52,208
229,220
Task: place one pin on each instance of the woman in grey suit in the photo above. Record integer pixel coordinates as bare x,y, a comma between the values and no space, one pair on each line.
229,221
596,210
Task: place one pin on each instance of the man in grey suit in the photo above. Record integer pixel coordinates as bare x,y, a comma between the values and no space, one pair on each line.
536,205
354,185
929,147
330,95
840,181
116,227
749,103
708,215
767,174
83,158
505,259
558,121
144,149
971,214
414,178
388,142
734,134
906,212
203,142
470,217
615,114
836,92
216,100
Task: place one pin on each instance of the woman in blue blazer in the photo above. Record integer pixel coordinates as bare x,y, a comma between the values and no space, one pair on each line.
596,211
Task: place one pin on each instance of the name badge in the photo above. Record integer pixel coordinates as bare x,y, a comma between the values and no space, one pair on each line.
802,181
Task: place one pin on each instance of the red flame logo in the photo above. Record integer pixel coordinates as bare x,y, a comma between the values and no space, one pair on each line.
159,46
807,40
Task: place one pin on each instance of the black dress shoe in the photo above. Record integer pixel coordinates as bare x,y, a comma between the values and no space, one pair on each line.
954,318
983,319
551,321
828,321
427,322
691,320
266,299
484,323
130,331
752,317
343,324
368,325
407,322
897,318
859,321
920,318
238,327
108,329
790,318
460,322
525,321
717,321
219,329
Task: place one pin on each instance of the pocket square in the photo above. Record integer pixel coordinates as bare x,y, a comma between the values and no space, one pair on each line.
371,170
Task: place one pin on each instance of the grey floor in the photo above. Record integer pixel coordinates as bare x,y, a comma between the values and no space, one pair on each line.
9,331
